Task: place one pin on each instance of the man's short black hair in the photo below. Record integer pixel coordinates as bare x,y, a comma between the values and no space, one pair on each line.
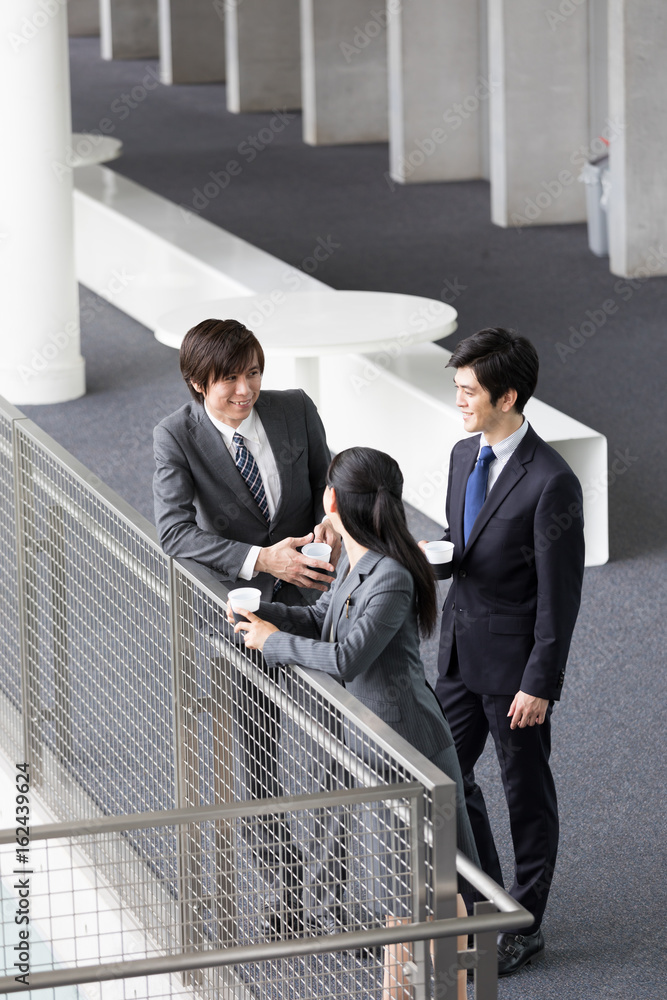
215,348
501,360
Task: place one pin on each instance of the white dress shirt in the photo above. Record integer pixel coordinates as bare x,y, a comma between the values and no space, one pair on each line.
503,452
257,443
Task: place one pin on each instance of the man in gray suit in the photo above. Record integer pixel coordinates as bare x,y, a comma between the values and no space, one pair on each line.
240,475
204,508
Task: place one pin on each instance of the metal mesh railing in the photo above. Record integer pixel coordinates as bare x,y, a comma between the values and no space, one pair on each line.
90,909
11,720
96,604
126,692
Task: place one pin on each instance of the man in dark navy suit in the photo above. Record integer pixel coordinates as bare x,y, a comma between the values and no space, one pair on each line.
514,510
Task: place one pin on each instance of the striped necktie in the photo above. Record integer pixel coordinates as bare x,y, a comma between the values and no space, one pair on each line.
476,490
248,468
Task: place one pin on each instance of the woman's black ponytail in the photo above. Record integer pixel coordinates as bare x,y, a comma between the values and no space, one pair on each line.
369,488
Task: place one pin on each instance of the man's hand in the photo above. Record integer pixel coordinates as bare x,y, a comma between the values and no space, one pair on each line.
285,563
527,710
255,631
324,532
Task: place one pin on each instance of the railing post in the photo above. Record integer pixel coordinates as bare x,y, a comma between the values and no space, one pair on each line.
445,958
486,972
184,854
221,909
418,865
26,551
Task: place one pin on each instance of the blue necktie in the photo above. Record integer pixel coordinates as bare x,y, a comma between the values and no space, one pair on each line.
476,490
248,468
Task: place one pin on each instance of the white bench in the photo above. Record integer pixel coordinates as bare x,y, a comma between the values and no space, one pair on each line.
147,256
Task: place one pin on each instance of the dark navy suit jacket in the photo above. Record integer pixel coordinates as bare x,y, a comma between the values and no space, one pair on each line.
516,585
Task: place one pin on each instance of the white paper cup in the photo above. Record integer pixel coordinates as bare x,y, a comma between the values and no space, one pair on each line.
317,550
439,552
440,555
246,598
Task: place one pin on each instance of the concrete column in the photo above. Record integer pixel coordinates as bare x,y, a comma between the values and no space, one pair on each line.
263,55
598,70
435,91
538,64
344,70
128,29
83,17
192,41
40,361
638,155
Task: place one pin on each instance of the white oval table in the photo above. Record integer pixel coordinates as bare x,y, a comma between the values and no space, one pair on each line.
307,326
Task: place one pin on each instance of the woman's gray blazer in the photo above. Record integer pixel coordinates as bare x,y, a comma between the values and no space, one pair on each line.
375,647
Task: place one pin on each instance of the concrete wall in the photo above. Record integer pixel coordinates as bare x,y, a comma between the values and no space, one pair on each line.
638,154
344,71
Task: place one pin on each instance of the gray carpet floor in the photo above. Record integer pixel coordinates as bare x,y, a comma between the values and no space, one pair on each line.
605,925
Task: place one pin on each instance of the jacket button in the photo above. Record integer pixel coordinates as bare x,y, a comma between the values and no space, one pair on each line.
462,572
453,607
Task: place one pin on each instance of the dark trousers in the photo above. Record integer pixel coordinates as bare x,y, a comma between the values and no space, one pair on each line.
523,755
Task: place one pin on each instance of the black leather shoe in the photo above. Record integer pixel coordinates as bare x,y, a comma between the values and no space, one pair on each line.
515,950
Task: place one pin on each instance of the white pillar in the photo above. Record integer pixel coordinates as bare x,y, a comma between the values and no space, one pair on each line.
128,29
83,17
638,154
192,41
263,55
40,360
344,70
538,65
436,93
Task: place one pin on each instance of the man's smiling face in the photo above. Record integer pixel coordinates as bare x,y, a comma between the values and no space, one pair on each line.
232,397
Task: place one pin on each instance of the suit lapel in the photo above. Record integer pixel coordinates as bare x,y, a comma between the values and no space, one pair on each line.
274,423
210,443
513,472
346,588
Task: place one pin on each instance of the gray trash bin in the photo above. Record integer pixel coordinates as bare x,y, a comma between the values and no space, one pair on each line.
595,176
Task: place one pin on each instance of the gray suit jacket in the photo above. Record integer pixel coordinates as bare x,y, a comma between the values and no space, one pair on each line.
203,508
375,647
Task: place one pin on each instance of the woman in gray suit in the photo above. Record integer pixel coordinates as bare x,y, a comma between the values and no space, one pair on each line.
365,629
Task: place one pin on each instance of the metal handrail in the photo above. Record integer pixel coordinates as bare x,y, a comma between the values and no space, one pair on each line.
221,811
294,948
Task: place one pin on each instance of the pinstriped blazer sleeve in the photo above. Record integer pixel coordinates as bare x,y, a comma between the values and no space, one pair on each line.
304,621
376,621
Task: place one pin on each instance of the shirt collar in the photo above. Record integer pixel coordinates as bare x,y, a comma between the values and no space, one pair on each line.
247,428
508,445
